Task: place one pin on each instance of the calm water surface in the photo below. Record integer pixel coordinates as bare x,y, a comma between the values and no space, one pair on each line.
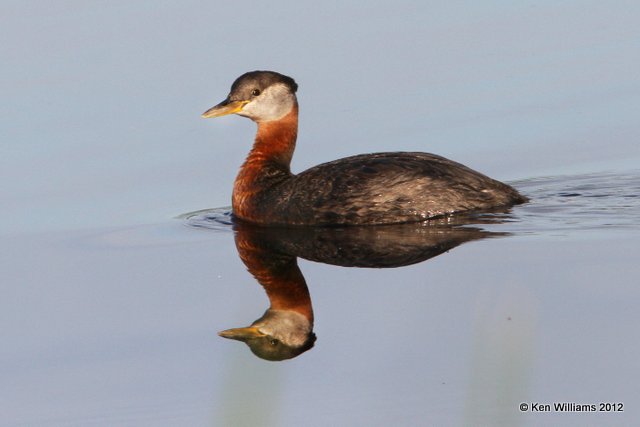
111,306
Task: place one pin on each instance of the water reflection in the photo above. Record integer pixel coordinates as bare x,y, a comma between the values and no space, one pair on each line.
285,330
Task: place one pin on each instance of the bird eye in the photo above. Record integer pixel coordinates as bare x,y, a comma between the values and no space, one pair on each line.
255,92
274,342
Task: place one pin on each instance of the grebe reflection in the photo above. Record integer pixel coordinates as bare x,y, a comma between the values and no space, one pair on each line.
285,330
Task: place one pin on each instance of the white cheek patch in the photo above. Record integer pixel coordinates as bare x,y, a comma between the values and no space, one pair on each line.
272,104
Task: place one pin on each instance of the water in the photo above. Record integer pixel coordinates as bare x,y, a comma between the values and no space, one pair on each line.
113,297
594,202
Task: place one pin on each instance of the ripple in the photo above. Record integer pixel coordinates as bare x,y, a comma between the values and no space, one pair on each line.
594,201
216,219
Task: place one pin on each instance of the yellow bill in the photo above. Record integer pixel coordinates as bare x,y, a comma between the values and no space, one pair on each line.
224,108
242,334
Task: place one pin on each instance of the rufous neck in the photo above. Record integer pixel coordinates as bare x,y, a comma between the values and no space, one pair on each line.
276,140
288,290
278,273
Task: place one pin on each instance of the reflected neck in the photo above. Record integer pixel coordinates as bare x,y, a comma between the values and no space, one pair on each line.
288,290
278,274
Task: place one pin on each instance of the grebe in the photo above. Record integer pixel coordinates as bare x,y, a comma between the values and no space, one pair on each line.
380,188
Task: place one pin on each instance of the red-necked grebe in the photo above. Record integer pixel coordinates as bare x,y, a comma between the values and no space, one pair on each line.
380,188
